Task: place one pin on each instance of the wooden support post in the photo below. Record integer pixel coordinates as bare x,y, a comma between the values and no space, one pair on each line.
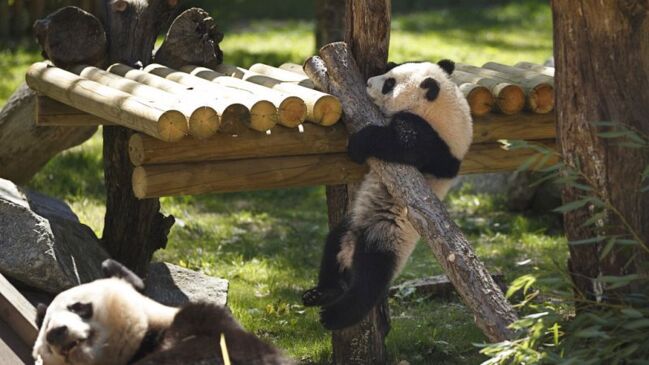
133,229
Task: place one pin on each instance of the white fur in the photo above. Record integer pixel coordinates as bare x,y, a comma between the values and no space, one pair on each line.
121,318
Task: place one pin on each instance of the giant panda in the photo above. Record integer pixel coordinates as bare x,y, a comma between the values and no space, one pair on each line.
431,129
110,322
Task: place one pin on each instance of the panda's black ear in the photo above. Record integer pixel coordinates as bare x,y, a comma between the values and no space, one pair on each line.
447,65
113,269
40,314
390,66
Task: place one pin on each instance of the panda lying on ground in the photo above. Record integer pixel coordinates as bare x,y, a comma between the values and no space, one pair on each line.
109,322
430,128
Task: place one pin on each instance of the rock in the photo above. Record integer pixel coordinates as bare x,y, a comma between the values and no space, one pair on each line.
42,242
173,285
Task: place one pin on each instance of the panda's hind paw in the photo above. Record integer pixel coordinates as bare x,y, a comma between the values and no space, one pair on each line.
320,297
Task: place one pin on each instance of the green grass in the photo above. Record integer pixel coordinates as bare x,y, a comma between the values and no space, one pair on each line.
268,243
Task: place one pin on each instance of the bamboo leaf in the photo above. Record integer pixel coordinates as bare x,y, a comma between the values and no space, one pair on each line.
526,165
586,241
631,312
613,134
641,323
573,205
607,248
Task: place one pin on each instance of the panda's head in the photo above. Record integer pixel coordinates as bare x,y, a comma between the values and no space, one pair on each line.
102,322
425,89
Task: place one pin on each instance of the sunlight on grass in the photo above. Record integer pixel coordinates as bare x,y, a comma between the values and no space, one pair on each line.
268,243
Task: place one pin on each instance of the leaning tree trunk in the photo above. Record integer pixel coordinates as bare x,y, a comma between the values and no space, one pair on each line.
330,21
602,74
133,229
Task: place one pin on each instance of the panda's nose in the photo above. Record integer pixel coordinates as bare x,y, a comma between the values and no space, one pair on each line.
57,335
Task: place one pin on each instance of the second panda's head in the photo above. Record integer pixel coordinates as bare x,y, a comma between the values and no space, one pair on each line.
98,323
425,89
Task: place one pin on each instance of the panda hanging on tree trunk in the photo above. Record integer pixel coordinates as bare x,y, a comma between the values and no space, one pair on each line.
431,129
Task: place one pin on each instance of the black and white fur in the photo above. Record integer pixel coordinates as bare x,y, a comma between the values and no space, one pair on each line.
110,322
430,128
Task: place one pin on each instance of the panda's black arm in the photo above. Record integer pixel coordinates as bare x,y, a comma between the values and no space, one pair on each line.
408,139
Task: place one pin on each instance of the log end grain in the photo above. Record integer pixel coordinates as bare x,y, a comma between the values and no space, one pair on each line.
136,149
327,110
263,116
541,98
292,112
204,122
235,119
139,182
479,98
510,99
172,126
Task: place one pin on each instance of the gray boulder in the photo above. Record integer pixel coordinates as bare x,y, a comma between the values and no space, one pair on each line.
42,242
173,285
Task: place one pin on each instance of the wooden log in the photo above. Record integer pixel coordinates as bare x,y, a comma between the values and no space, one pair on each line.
510,98
203,119
480,99
282,75
539,89
292,67
17,312
228,175
51,113
282,141
322,108
71,36
263,114
437,287
193,39
312,139
545,70
107,103
244,175
428,216
518,73
235,117
291,110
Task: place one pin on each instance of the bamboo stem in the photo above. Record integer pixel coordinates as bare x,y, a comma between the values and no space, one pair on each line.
107,103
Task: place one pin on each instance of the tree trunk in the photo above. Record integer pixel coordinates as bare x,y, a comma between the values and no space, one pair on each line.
330,21
133,229
602,71
24,147
493,314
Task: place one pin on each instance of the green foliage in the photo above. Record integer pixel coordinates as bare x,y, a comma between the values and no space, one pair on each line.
601,332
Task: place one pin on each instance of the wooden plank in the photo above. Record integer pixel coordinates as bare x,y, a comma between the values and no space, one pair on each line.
51,113
294,171
314,139
13,351
17,312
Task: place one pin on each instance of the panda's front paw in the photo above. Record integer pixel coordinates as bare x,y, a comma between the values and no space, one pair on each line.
320,297
357,147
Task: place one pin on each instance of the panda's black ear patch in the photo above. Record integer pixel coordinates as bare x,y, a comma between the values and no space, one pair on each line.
390,66
40,314
113,269
432,88
447,65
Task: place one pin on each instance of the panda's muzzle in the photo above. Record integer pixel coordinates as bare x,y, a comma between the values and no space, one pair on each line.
59,338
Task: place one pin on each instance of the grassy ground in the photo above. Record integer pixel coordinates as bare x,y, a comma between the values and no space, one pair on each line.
268,243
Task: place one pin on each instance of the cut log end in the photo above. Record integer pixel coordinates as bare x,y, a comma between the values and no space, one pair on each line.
235,119
479,98
136,149
292,112
204,122
172,126
327,110
263,116
541,99
510,99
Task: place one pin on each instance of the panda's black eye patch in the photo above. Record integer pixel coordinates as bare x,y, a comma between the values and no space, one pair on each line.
388,85
83,310
432,87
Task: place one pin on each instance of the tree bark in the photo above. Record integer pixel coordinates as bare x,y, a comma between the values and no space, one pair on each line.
133,229
602,71
192,39
24,147
330,21
426,213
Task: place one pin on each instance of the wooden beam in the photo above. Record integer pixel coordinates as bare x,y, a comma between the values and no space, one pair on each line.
292,171
51,113
509,98
116,106
17,312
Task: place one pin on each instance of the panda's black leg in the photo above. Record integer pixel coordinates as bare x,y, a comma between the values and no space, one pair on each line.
372,273
330,277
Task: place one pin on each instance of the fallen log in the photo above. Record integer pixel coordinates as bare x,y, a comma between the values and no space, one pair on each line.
436,287
493,314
